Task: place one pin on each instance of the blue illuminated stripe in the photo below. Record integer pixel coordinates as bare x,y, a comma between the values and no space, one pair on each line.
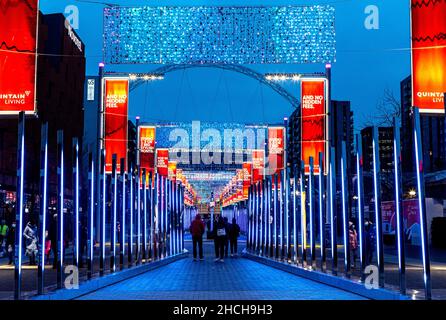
22,173
321,207
45,186
344,209
420,204
123,214
375,188
61,207
360,213
77,203
91,210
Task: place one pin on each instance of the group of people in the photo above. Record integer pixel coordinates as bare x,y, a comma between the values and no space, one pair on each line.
225,236
7,240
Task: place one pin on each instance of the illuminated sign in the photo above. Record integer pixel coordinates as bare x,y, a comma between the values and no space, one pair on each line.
258,165
162,162
172,171
116,92
247,175
18,42
428,55
276,151
313,123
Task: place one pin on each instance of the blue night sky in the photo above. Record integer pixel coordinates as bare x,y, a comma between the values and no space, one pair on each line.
367,63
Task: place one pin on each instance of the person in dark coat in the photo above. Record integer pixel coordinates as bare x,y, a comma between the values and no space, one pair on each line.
53,238
10,243
227,238
221,232
197,230
234,233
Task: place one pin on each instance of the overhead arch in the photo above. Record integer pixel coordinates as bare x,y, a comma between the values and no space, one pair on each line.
230,67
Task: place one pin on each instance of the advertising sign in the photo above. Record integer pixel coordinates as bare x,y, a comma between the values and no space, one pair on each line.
258,165
428,55
275,149
172,171
162,162
116,93
146,146
411,217
247,176
313,124
18,43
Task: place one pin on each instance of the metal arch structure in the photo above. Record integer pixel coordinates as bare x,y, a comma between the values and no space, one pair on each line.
230,67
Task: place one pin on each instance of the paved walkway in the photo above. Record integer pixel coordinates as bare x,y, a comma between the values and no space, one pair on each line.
235,279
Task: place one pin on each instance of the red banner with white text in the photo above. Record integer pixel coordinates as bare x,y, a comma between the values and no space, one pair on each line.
18,39
116,93
276,146
162,162
313,137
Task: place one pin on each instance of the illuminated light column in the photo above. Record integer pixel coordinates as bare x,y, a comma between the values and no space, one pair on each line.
114,177
76,196
281,213
295,236
90,246
169,215
422,204
253,216
345,209
377,198
303,214
19,210
276,205
132,203
162,215
285,191
151,215
261,220
287,212
144,188
311,211
256,222
43,204
138,214
266,214
157,216
60,207
166,222
360,193
399,206
248,238
333,213
321,209
123,216
103,213
270,244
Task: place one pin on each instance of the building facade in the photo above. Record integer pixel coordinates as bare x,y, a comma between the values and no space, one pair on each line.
59,96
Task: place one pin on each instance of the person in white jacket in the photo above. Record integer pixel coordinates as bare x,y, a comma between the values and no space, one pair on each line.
31,240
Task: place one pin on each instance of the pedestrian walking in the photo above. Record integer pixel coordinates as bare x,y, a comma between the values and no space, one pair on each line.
3,234
234,233
47,247
10,243
221,232
30,235
197,230
370,241
227,237
353,239
53,238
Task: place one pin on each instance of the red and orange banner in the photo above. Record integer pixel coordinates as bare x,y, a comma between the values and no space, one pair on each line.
172,171
314,113
258,165
162,162
18,39
428,55
275,149
116,102
146,146
247,178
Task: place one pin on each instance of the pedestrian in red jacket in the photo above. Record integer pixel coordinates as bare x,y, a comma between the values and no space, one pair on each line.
197,231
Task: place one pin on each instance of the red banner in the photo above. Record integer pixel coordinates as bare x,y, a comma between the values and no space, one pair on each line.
275,149
116,102
18,34
428,55
146,148
247,179
258,165
162,162
172,171
313,139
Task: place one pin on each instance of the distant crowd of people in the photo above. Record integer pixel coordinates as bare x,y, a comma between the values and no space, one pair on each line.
225,237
